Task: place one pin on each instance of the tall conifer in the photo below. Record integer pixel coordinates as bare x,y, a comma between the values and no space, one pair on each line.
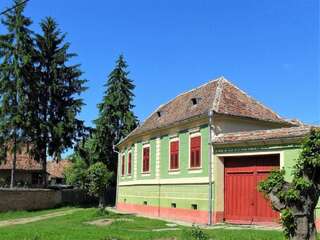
16,72
56,103
116,118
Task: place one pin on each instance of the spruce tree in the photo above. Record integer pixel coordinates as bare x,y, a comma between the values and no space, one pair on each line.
16,72
116,118
56,103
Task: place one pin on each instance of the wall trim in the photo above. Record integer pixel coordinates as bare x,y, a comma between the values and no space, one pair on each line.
191,180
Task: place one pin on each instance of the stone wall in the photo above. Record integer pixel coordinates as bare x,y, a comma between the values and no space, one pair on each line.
36,199
76,197
28,199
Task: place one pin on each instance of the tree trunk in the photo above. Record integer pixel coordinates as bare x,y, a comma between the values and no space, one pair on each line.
305,228
102,201
14,164
44,173
44,167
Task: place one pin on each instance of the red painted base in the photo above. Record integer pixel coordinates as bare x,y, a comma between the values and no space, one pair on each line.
318,224
218,217
186,215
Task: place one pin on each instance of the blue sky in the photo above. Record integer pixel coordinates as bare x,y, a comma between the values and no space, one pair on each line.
270,49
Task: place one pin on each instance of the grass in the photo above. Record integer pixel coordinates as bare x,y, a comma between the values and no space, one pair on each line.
23,214
74,227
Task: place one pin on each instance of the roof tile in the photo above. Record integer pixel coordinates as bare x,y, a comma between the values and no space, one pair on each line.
258,135
218,95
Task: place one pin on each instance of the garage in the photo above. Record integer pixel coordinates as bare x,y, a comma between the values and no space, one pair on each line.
243,203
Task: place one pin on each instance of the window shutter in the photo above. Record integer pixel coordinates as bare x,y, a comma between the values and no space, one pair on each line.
174,155
129,164
122,165
195,156
146,156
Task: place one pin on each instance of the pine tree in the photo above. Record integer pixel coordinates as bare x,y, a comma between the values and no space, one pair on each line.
16,71
56,102
116,118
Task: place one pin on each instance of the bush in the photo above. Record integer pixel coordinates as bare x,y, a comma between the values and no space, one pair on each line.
195,234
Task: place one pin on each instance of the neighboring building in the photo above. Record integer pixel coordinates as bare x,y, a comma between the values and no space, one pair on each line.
56,171
164,168
28,172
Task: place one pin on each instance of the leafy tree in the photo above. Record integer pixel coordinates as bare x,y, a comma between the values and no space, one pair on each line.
16,74
298,199
116,118
93,178
54,100
76,173
98,178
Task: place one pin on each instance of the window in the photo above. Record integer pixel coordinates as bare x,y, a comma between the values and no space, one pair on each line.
145,203
146,159
122,165
194,206
195,156
36,179
195,101
173,205
174,155
129,163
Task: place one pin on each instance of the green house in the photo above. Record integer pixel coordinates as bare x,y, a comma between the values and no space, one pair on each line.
199,157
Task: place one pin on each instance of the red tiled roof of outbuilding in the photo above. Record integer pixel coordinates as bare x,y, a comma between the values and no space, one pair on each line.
24,162
263,135
56,169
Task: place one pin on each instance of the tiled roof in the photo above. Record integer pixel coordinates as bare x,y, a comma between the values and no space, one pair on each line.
24,162
261,135
219,95
56,169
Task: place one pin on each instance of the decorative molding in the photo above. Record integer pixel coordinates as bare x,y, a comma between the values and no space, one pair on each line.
226,150
158,149
189,180
135,161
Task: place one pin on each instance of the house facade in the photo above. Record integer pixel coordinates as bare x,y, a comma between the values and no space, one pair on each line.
56,171
28,172
199,157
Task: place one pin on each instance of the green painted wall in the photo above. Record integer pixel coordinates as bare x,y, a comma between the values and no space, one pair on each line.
290,158
150,175
182,195
164,158
185,194
184,152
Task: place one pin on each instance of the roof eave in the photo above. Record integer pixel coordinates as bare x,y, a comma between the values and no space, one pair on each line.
154,130
272,141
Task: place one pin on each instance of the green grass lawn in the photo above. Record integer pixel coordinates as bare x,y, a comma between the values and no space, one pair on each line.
22,214
74,227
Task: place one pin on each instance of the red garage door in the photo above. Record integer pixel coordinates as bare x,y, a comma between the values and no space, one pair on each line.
243,202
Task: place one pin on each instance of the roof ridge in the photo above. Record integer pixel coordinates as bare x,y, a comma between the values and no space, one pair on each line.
193,89
253,99
217,97
166,103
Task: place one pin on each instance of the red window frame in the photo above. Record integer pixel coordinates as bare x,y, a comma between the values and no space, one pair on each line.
174,155
195,152
123,165
146,159
129,163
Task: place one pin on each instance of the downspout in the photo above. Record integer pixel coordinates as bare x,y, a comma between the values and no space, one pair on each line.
210,115
117,186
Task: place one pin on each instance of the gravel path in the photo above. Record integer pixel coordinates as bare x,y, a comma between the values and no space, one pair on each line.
35,219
